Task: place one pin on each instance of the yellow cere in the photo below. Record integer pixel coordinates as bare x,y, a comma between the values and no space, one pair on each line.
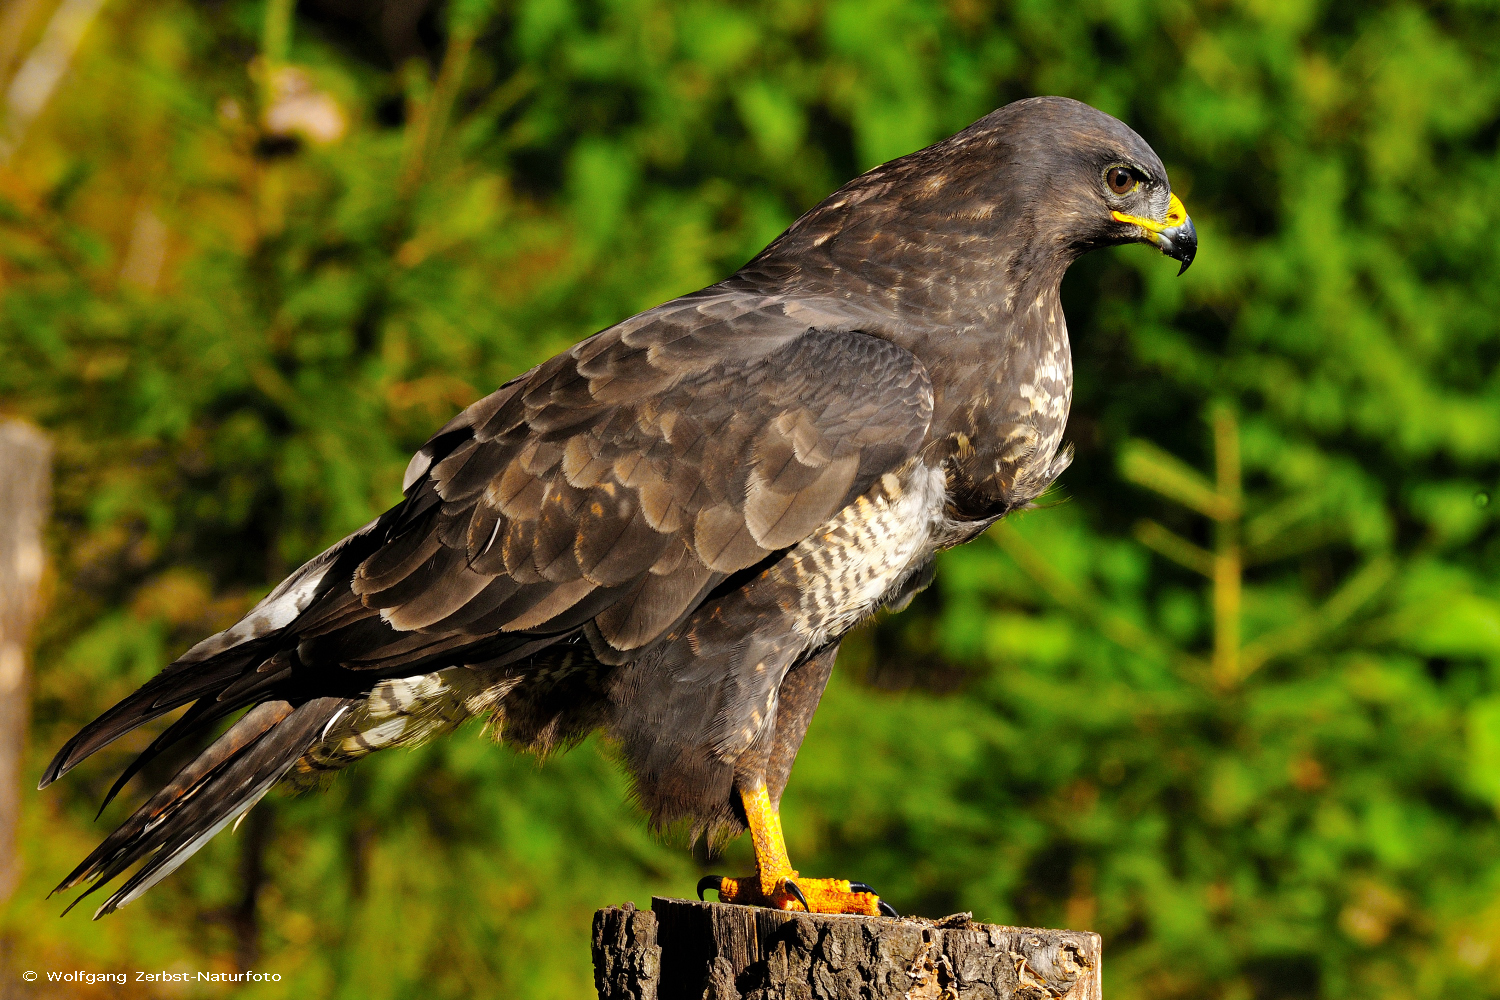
1176,215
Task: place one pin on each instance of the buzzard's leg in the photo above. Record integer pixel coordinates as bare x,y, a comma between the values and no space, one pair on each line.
760,777
776,884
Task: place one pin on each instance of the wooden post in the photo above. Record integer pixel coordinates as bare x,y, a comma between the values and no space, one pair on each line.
687,950
25,488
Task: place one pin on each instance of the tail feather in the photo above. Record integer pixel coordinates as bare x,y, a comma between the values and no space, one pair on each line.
221,662
168,690
204,712
212,791
253,725
250,686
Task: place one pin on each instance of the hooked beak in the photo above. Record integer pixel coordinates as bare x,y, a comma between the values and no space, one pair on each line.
1174,235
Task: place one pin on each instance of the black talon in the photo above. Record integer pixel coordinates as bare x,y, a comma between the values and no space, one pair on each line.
714,882
887,910
862,887
796,890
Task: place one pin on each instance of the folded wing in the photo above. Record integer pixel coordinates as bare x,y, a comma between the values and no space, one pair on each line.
606,493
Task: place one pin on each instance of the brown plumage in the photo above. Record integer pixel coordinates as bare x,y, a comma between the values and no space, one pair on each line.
666,530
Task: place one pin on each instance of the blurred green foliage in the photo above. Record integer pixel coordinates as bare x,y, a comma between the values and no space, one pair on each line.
1234,703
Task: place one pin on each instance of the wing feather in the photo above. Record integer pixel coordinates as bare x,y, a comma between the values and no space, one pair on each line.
654,604
608,492
673,450
450,587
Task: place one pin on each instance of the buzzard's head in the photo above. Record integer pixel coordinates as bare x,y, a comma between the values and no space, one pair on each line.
1015,197
1084,179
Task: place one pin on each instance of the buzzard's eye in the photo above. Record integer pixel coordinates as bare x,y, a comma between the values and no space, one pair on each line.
1120,180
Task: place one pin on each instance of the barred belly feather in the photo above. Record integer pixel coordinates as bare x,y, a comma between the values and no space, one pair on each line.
860,558
404,712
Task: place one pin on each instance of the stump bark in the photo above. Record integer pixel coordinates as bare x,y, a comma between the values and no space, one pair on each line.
687,950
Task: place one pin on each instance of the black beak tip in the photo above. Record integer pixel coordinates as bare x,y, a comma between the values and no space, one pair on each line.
1181,243
1187,260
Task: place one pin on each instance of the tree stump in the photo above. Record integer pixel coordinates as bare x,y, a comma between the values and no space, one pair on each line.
687,950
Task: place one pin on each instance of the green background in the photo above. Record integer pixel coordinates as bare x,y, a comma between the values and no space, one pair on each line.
1280,784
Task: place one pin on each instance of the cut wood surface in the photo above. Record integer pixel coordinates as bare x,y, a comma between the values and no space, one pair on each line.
687,950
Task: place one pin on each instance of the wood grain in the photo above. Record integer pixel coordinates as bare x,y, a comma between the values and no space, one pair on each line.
687,950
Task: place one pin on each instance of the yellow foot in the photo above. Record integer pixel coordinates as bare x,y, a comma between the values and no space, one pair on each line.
815,895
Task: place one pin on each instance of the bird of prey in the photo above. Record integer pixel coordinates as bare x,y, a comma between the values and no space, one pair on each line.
665,531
